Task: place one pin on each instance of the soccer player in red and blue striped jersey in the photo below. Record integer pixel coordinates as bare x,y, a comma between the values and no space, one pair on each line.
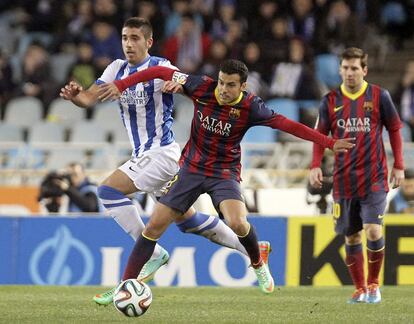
210,161
361,110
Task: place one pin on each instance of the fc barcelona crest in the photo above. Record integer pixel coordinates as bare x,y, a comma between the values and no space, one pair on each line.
234,113
368,106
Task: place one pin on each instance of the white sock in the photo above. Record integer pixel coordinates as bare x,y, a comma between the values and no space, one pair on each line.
121,209
212,228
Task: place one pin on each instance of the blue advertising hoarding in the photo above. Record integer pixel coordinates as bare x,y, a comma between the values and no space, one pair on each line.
94,251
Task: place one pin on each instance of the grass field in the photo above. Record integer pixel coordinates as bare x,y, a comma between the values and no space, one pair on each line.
52,304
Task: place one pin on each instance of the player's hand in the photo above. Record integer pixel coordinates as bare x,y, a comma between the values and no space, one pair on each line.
108,91
397,177
316,177
70,90
344,144
172,87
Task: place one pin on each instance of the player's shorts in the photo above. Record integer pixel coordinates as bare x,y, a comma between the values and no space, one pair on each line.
185,187
350,214
152,170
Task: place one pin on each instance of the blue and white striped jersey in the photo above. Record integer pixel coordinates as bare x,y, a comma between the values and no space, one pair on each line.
145,110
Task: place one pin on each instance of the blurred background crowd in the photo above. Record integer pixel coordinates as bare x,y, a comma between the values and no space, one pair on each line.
46,42
290,48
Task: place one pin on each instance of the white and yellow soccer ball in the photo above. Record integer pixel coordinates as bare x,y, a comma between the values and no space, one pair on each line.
132,298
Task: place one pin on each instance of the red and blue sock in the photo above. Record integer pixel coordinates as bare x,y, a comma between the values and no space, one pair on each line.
141,253
375,253
355,263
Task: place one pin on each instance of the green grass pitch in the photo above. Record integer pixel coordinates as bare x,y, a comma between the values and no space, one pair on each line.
57,304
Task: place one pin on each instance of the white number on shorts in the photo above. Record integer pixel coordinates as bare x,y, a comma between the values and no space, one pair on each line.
142,162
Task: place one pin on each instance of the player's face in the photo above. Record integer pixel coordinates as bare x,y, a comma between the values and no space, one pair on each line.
352,73
135,45
229,87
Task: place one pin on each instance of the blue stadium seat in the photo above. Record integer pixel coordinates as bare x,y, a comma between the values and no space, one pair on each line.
287,107
260,134
308,104
327,70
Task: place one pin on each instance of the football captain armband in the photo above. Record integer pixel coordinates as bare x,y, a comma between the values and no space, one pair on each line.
179,77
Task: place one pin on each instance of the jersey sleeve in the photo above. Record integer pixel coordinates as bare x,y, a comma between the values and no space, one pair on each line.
389,114
167,64
260,113
109,74
322,122
323,126
194,85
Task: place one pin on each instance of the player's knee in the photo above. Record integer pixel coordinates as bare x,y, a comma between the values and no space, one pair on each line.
373,232
239,226
353,239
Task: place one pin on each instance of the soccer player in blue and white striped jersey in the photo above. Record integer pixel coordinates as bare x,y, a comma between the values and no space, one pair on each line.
146,114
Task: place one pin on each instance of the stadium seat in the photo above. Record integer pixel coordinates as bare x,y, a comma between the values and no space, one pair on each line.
59,66
24,111
11,133
260,134
87,132
107,116
46,132
287,107
308,104
327,70
120,136
64,112
60,158
12,150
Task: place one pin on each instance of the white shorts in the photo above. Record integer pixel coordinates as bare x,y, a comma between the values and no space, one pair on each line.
152,170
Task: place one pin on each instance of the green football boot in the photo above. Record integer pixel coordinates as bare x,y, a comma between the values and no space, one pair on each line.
265,279
105,298
146,275
151,267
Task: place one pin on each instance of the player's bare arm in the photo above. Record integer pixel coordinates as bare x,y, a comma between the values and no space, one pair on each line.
80,97
108,92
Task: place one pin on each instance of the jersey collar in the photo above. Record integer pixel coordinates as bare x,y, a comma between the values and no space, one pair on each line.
234,102
140,64
355,95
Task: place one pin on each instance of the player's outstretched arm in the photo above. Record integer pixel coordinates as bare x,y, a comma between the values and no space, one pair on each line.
108,92
310,134
80,97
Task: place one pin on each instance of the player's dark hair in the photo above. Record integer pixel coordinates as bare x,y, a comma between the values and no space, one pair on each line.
235,67
355,53
138,22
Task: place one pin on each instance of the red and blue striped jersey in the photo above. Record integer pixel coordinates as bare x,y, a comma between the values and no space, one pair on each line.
361,115
213,148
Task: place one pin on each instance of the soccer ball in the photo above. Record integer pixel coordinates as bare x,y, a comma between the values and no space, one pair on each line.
132,298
